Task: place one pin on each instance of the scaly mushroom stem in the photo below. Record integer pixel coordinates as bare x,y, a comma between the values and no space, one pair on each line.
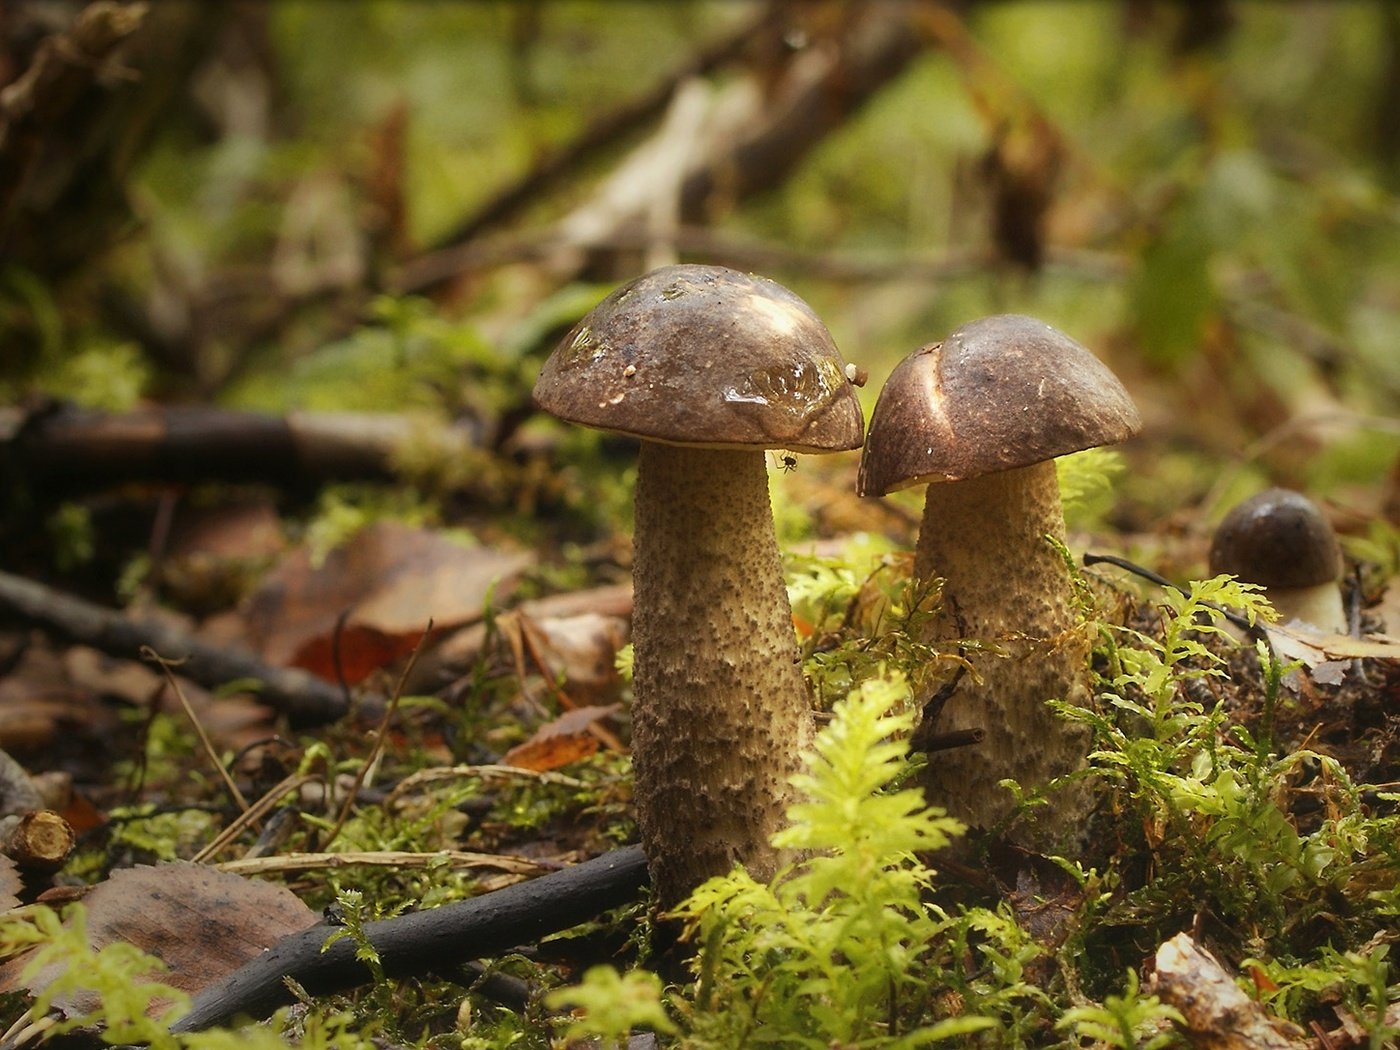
1006,586
720,716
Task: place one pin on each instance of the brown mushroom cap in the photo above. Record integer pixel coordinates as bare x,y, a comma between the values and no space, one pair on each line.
705,355
1277,538
998,393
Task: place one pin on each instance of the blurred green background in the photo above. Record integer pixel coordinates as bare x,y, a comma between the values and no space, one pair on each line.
281,205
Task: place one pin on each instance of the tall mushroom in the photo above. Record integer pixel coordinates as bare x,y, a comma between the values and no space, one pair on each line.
1279,539
979,418
708,367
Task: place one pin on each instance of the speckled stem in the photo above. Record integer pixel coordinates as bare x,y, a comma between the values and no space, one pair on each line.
1007,586
721,715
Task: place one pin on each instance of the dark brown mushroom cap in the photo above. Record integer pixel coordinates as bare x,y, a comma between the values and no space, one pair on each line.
704,355
1277,538
998,393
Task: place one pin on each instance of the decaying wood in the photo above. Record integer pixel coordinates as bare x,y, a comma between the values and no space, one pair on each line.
604,131
1219,1016
745,146
38,841
80,115
303,697
64,66
70,448
437,939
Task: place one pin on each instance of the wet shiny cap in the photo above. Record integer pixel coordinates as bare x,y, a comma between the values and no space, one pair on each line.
704,355
1003,392
1277,538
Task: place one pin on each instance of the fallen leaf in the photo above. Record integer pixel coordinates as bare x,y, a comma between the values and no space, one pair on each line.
566,739
203,923
388,582
1299,641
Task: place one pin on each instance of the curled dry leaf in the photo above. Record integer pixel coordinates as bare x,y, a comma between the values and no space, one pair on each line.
1325,654
567,739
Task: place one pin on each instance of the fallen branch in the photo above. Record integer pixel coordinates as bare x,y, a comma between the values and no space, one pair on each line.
303,697
424,941
67,448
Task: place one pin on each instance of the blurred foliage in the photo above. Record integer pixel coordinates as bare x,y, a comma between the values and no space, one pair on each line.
1218,228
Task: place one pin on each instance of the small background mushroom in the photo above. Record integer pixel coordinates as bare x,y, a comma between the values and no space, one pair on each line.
1281,540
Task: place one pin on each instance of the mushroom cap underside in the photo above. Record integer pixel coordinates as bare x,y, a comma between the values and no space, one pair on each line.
998,393
1277,538
705,355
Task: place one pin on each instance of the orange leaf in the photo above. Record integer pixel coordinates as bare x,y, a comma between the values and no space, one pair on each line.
567,739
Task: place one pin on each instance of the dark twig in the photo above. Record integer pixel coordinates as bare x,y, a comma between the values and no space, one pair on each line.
947,741
423,941
1242,622
305,698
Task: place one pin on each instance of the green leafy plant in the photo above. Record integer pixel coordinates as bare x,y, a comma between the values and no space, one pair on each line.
831,952
611,1004
1206,804
1131,1021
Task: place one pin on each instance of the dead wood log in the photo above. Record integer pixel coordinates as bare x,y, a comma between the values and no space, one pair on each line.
1218,1015
435,940
304,698
65,448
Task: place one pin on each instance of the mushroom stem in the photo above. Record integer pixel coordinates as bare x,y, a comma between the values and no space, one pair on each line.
1320,606
986,538
721,715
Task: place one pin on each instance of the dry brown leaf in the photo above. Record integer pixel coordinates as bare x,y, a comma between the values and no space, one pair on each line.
39,702
201,922
582,651
388,581
1301,642
566,739
230,721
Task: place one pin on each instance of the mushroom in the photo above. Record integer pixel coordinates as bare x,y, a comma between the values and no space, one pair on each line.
979,419
709,368
1279,539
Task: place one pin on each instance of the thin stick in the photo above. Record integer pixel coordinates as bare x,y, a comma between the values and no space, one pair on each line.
147,653
1242,622
256,811
380,736
421,941
447,858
